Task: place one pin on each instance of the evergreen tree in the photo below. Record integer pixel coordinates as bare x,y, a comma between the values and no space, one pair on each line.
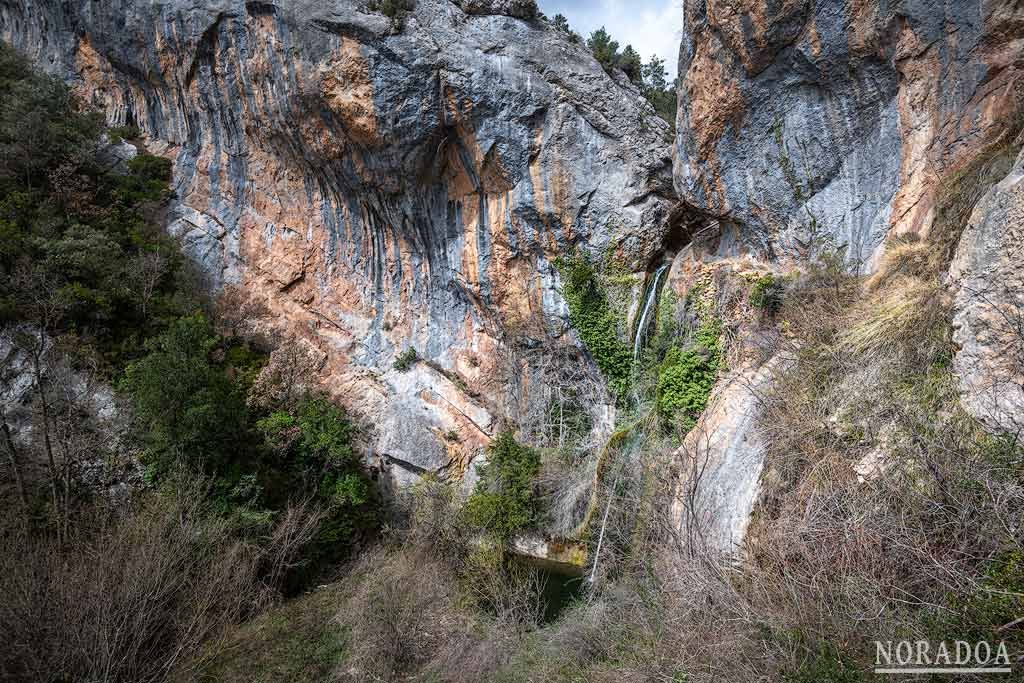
654,74
604,49
656,89
629,62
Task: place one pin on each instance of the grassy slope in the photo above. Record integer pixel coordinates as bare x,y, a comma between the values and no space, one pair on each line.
298,641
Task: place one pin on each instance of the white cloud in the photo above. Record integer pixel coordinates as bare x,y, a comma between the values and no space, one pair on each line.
650,26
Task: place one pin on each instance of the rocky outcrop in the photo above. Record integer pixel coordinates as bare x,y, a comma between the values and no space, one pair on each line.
521,9
828,124
988,280
377,188
721,461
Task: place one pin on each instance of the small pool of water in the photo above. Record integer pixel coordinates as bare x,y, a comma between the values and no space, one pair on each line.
560,591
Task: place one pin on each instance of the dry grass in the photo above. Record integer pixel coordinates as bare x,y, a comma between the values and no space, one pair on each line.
132,597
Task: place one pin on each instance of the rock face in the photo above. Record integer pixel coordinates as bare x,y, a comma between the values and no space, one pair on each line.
721,461
989,305
377,188
822,124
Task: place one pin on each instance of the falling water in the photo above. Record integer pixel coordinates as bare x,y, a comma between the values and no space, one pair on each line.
652,295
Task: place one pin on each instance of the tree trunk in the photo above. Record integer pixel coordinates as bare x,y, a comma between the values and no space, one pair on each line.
12,456
44,406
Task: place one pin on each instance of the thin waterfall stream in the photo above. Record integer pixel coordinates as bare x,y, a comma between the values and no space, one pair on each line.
652,295
638,342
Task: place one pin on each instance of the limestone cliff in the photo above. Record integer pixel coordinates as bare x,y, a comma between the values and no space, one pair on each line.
379,185
988,283
835,126
830,123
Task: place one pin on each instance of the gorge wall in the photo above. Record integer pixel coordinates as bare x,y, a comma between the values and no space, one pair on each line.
840,127
380,187
805,123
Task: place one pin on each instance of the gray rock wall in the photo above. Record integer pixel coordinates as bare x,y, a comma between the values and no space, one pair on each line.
378,189
988,280
828,124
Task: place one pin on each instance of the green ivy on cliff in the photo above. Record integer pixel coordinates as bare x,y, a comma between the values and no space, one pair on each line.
686,376
595,321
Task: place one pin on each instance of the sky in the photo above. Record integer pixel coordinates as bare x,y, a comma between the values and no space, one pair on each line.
650,26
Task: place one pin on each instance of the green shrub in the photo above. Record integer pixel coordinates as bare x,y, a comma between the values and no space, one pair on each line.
119,133
185,404
596,323
505,499
146,179
405,360
766,294
316,443
315,455
42,125
686,377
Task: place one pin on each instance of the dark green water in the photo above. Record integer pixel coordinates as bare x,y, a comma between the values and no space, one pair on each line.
560,591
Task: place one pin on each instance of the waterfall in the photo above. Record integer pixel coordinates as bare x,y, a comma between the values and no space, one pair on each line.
652,295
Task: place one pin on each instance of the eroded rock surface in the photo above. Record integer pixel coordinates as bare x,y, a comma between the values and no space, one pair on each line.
721,461
822,124
988,279
378,189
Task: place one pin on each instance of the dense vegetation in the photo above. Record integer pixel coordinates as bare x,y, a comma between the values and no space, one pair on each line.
505,500
252,483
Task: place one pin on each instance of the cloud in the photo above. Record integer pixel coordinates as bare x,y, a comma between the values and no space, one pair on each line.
650,26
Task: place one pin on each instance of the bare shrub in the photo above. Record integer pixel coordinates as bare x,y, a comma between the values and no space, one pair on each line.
239,313
131,596
840,553
400,613
288,374
437,601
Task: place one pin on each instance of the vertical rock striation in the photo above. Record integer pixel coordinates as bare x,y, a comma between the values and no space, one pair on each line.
829,123
377,187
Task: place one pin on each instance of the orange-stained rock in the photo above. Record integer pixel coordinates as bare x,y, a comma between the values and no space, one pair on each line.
834,121
378,189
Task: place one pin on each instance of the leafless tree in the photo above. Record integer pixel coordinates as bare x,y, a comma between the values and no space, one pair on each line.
143,275
45,309
11,398
240,313
139,594
13,459
288,374
693,459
